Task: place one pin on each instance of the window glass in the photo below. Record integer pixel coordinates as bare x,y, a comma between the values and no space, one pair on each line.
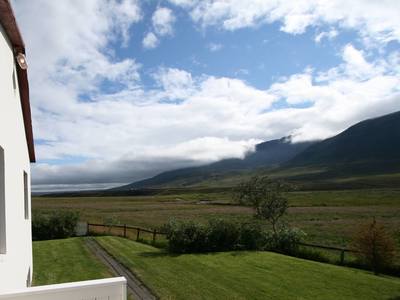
26,196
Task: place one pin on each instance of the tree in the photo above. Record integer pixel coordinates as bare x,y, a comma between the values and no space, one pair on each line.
374,246
266,196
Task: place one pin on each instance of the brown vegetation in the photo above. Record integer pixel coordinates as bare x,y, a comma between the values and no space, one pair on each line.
374,246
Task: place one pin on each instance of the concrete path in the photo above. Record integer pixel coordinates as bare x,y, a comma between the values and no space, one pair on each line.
135,287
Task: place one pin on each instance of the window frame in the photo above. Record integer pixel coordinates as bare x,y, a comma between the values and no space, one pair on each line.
26,196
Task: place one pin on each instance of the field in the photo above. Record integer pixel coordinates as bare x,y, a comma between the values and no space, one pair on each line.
328,217
246,275
60,261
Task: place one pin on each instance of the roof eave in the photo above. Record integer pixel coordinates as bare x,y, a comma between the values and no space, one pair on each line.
7,20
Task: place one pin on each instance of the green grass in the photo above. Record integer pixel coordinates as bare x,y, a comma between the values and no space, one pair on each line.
246,275
67,260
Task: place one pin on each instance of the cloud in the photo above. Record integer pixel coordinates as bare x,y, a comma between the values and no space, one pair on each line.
177,84
109,172
150,41
213,47
376,21
356,64
163,20
331,34
341,96
183,3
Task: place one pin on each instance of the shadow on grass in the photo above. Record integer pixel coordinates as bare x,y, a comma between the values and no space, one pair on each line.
158,254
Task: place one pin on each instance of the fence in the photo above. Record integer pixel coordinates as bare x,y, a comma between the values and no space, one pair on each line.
139,233
342,251
126,231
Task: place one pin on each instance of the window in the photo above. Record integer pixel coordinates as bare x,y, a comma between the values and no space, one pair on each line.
3,248
26,196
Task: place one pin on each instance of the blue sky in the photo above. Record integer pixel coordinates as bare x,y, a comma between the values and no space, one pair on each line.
124,89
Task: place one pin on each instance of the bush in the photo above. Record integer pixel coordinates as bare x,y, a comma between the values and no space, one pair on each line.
375,247
285,240
186,237
252,237
222,235
54,225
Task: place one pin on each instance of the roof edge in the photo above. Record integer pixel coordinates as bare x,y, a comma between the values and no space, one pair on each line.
9,23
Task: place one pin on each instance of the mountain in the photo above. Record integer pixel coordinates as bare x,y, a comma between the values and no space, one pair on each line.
370,147
373,141
266,154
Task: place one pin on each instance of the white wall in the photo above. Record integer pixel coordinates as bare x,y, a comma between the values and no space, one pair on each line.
14,265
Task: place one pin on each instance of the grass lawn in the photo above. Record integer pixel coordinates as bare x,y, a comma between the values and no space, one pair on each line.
246,275
67,260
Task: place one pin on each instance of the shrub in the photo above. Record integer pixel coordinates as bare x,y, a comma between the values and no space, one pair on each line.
54,225
285,240
222,235
374,246
252,237
186,237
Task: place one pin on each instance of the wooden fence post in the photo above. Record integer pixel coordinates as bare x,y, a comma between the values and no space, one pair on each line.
124,230
87,228
154,235
138,234
342,257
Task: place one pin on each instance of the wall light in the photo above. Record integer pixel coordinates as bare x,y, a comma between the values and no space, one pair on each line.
22,61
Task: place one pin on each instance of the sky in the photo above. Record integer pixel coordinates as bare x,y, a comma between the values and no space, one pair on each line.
122,90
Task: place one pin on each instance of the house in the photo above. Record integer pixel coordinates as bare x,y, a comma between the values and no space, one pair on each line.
16,153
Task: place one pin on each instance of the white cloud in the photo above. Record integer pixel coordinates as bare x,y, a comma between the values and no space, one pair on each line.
353,91
331,34
177,84
356,63
213,47
76,56
150,41
376,21
163,21
183,3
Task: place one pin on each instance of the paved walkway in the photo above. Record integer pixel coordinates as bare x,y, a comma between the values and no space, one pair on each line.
135,287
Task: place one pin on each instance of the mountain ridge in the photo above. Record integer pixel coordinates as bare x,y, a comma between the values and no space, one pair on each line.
367,147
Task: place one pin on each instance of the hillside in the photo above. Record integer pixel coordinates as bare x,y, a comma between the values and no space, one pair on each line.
370,147
370,141
267,154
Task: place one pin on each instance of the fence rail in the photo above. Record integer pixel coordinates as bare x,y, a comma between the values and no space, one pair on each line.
341,250
124,230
